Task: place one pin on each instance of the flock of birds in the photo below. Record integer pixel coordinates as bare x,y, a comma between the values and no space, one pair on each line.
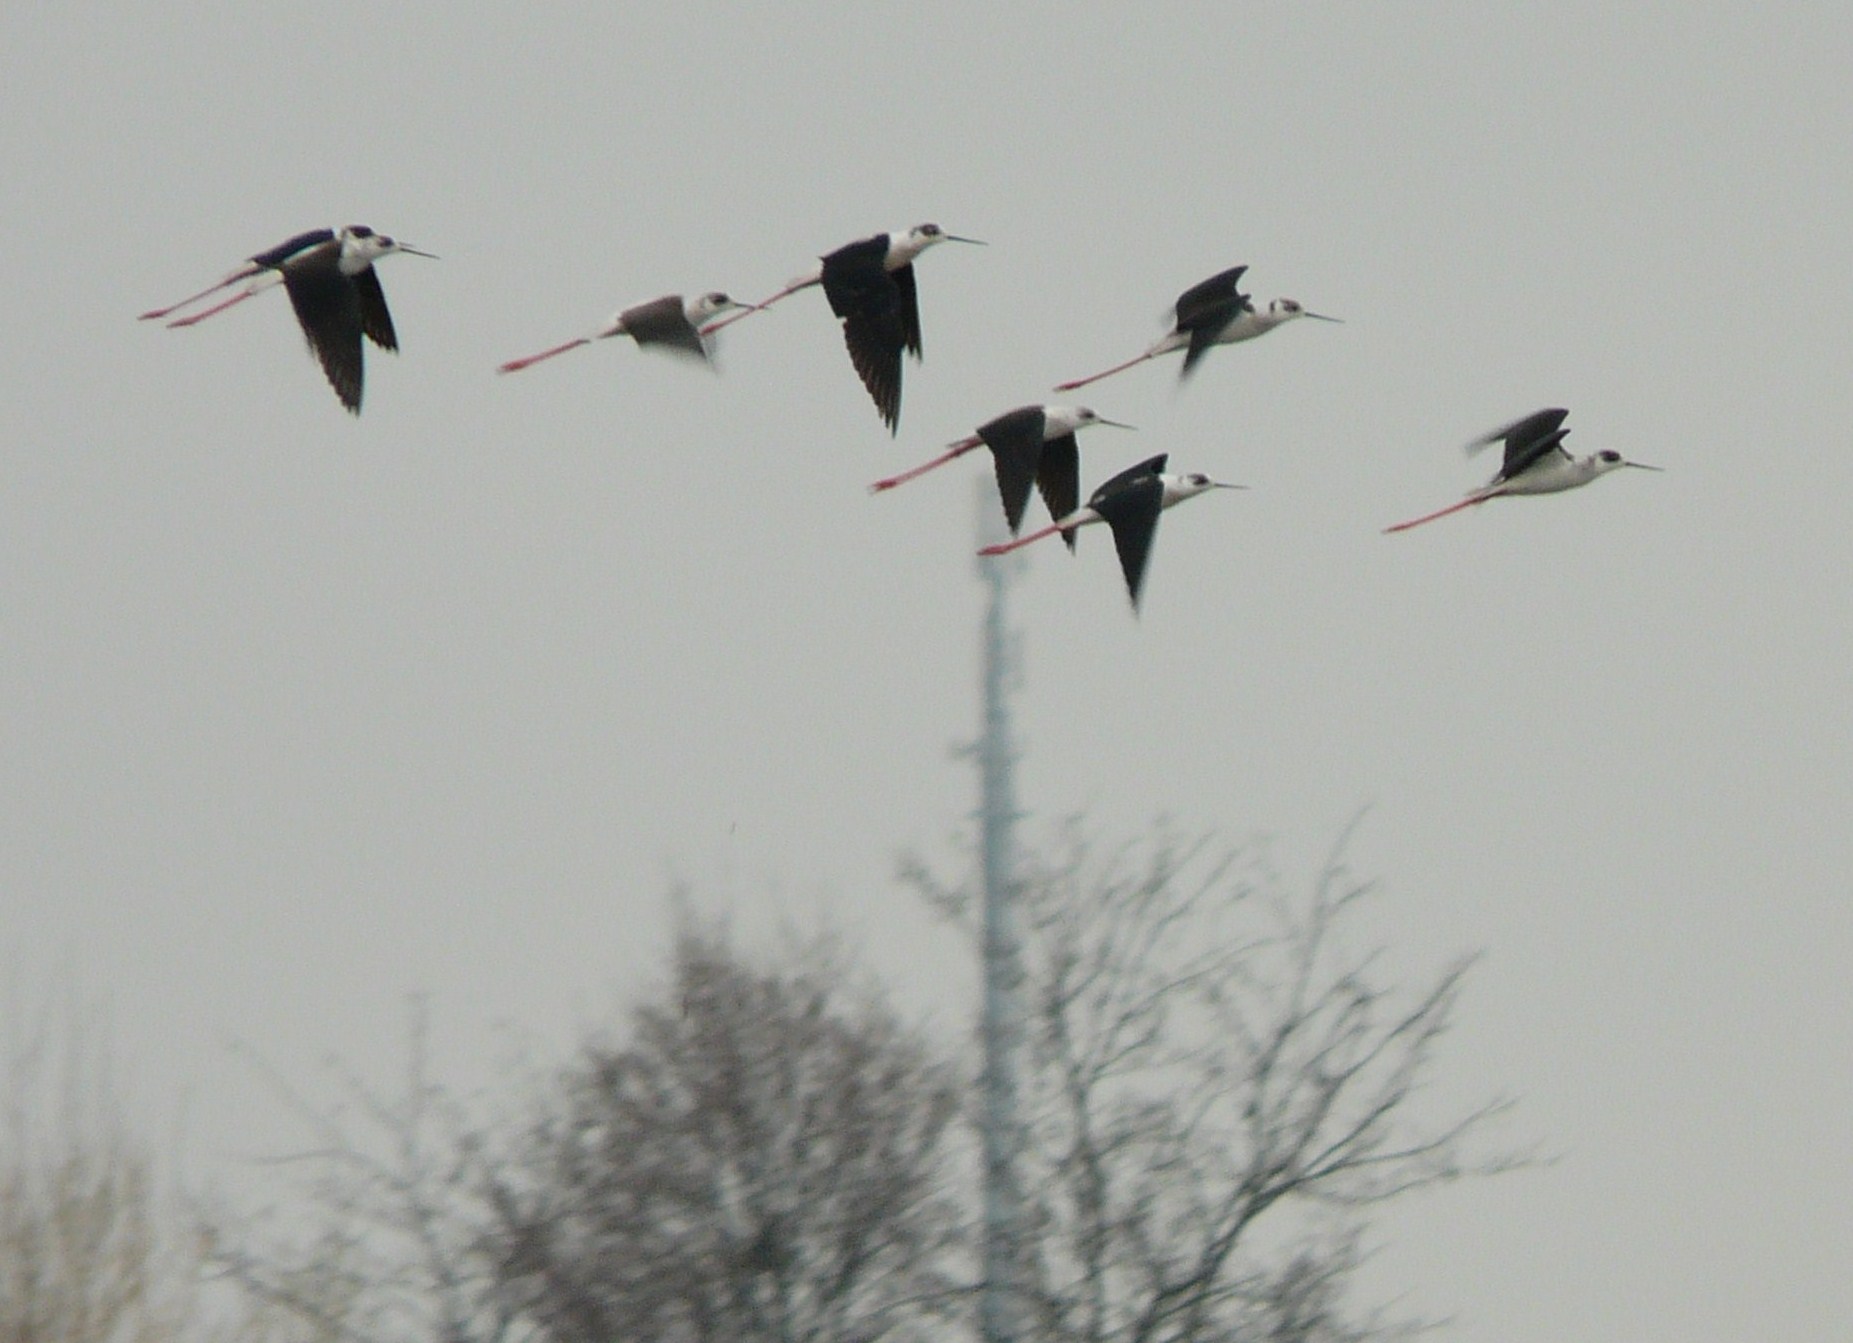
330,279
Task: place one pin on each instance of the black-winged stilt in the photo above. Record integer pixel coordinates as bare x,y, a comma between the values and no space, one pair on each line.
1214,312
332,286
1129,503
1535,463
870,285
1031,446
671,322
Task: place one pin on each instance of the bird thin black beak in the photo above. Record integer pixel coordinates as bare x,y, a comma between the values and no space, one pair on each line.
1643,466
1225,485
1319,316
976,242
413,251
1117,424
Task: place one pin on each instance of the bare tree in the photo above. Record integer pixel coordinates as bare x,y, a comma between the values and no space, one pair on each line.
1220,1084
761,1158
382,1235
93,1248
1217,1084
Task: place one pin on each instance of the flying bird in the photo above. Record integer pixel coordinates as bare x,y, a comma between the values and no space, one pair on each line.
1030,446
1129,503
1214,312
870,285
672,323
332,286
1535,463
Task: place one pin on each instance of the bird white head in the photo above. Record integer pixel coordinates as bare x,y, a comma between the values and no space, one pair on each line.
711,304
1601,463
1286,309
906,246
1180,488
1067,419
361,247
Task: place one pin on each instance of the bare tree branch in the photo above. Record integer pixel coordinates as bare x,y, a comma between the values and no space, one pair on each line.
391,1199
93,1247
762,1158
1217,1085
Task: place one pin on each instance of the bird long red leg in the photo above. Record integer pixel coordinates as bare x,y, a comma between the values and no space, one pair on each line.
1117,368
256,287
1005,547
959,449
155,313
516,365
1468,502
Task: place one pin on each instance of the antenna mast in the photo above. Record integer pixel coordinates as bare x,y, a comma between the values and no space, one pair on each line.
1005,1281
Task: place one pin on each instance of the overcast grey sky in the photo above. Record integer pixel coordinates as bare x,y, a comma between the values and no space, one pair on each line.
304,714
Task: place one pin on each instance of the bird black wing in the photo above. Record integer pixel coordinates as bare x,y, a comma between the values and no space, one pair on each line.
274,257
1210,321
328,307
1131,510
1208,295
662,321
375,321
910,307
1523,455
1015,441
1526,440
1058,476
868,300
851,270
1151,466
874,342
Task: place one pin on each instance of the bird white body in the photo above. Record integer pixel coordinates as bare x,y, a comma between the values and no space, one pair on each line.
1556,472
356,248
1177,488
695,311
1213,312
672,322
1535,463
1246,326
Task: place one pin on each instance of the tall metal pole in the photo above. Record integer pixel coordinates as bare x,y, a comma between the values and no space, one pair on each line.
1000,1308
